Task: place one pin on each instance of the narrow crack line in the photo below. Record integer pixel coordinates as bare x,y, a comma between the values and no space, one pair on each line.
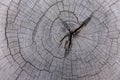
63,39
85,22
68,46
65,25
50,51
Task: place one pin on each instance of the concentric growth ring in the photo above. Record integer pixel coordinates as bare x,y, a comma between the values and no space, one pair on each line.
39,33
